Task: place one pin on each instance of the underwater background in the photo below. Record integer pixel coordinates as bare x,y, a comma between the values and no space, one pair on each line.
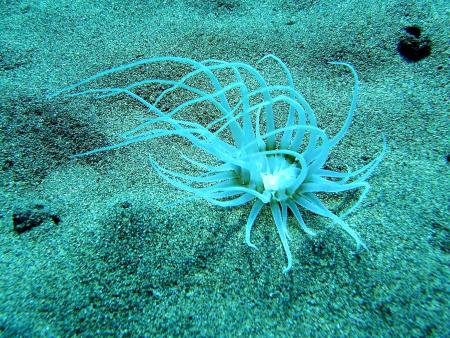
86,247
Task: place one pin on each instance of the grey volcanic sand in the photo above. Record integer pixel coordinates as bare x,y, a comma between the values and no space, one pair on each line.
104,258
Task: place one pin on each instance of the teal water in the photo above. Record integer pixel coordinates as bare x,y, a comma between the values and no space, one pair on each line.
86,247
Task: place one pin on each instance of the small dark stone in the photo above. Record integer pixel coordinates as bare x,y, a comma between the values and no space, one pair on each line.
55,218
8,163
413,46
27,217
125,205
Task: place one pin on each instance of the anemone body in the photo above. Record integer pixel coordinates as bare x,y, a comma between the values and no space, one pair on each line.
256,159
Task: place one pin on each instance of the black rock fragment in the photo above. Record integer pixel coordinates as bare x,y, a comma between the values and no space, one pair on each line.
413,46
27,217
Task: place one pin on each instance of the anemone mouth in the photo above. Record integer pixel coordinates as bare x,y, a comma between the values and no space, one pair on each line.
278,175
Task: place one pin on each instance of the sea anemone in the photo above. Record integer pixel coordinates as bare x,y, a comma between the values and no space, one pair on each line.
250,154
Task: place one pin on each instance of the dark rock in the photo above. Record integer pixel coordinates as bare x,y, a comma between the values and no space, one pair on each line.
27,217
413,46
